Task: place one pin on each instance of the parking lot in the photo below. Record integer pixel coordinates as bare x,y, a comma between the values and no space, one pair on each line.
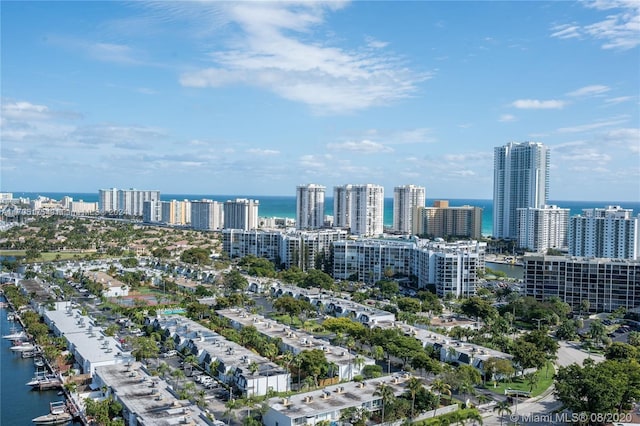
216,395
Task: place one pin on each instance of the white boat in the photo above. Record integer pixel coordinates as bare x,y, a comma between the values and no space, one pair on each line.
15,335
23,347
20,335
58,415
43,379
38,362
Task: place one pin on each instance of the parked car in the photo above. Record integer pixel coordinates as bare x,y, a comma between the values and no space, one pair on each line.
169,354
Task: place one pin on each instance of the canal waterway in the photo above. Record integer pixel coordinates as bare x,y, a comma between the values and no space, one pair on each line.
18,403
512,271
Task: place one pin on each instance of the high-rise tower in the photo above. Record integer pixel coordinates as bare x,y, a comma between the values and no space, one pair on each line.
520,180
360,208
405,198
241,214
310,206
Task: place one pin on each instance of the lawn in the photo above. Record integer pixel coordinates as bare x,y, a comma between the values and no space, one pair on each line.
519,384
49,256
15,253
286,319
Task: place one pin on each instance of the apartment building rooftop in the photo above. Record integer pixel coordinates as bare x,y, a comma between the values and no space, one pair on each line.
87,341
208,345
295,340
336,397
147,399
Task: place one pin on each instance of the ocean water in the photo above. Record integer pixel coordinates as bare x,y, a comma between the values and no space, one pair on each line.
285,206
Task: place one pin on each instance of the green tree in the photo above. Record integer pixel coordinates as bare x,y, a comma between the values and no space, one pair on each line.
621,351
413,385
527,355
388,288
598,388
476,307
584,306
409,304
234,281
597,330
442,387
314,363
634,338
178,375
318,279
567,330
196,255
502,408
532,380
385,392
144,348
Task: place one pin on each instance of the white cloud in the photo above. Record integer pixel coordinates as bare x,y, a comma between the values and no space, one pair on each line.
101,51
463,173
110,52
146,91
262,152
273,53
24,110
620,28
619,99
507,118
363,147
375,44
538,104
627,137
592,126
565,31
470,156
589,91
586,155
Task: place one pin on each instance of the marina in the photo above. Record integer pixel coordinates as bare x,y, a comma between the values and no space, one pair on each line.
26,404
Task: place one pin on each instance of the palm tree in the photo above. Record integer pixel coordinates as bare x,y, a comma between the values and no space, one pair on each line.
482,398
189,388
597,330
178,375
309,381
532,380
443,388
163,368
71,386
385,392
476,417
414,385
213,368
191,359
287,358
584,306
270,351
253,367
466,388
297,361
502,408
358,362
201,401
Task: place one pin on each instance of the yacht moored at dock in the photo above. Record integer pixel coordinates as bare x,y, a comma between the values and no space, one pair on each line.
58,414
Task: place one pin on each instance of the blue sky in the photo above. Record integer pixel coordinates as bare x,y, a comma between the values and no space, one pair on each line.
258,97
